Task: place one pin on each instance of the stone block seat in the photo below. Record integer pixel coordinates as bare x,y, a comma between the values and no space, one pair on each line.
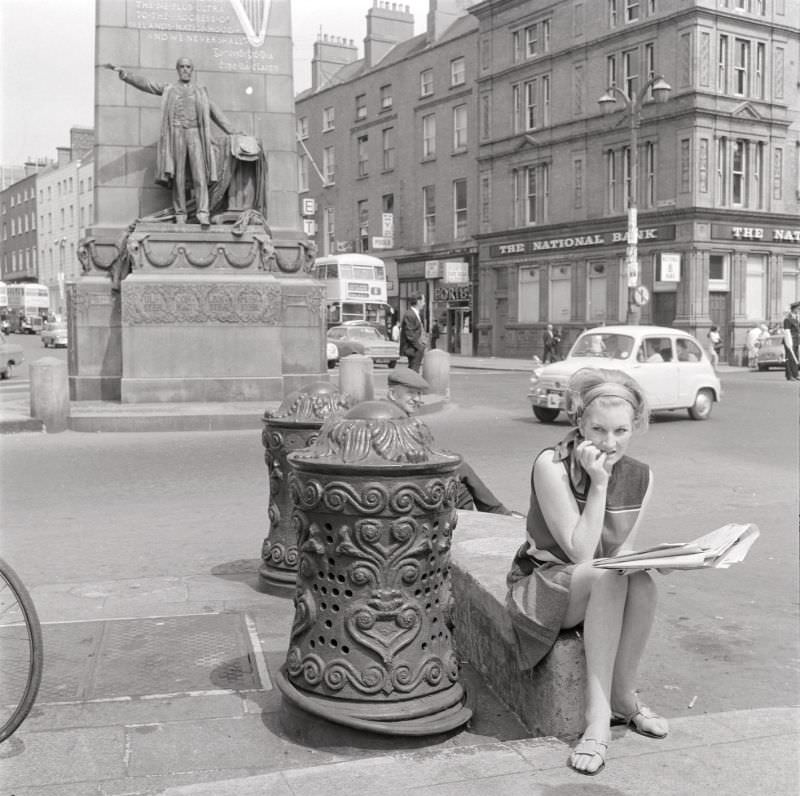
549,699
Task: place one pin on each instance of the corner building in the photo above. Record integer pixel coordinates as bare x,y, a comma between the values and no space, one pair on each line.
388,152
718,166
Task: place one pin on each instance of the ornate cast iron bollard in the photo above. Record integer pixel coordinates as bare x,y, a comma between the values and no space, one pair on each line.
371,643
294,425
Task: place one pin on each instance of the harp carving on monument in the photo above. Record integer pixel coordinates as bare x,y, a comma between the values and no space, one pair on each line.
253,16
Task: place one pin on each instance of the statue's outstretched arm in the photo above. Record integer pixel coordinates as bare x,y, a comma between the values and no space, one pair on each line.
142,83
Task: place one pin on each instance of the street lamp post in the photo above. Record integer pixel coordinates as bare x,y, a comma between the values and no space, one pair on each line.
633,106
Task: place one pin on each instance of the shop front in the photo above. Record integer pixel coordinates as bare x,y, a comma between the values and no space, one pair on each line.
694,271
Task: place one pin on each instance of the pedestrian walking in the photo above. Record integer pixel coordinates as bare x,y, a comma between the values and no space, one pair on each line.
550,343
587,500
751,346
714,345
791,342
412,333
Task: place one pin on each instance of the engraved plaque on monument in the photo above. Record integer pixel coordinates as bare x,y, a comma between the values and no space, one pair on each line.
197,241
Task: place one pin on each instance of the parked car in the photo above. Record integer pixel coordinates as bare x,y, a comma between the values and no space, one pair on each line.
669,364
771,353
31,324
353,339
54,334
10,356
332,354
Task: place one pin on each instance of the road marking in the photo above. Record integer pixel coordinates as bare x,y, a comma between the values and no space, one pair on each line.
143,697
258,653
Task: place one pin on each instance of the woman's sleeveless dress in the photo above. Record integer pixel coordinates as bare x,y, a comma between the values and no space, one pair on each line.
540,574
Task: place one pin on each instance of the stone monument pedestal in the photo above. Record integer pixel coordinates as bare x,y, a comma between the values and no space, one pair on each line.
196,315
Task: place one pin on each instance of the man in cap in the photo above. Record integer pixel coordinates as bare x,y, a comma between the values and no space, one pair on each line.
406,388
791,341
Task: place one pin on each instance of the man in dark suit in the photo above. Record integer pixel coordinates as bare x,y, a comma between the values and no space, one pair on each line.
412,342
791,341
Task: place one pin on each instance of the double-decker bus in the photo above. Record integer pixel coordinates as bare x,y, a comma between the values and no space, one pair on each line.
28,307
355,286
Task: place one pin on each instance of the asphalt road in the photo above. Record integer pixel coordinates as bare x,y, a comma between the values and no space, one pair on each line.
89,507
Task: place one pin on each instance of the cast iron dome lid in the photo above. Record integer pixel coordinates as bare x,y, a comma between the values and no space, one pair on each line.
314,404
374,433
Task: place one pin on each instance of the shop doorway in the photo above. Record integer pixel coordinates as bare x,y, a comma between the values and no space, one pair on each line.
500,320
719,312
664,308
459,330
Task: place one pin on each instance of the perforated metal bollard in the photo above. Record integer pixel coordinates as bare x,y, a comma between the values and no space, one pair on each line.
294,425
371,646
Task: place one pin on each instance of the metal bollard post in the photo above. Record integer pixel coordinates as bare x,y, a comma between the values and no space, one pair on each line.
371,645
436,371
355,377
291,427
50,393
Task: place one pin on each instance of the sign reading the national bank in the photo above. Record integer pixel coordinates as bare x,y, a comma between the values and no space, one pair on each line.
615,237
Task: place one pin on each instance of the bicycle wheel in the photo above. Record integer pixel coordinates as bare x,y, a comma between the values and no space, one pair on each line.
21,651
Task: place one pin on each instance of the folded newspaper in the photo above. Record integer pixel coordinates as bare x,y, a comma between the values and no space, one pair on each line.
716,550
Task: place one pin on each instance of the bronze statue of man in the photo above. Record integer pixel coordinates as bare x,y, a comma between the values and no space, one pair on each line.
186,116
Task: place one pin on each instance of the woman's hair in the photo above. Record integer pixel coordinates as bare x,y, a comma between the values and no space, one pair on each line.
608,386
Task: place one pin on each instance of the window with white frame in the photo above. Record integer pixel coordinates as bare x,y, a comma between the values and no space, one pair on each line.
429,136
329,230
630,72
739,168
649,65
302,176
611,70
329,164
426,82
460,209
529,295
531,41
741,67
790,280
531,185
613,13
649,174
428,214
362,155
756,287
718,272
631,10
758,70
722,64
531,104
458,74
612,201
596,293
459,127
387,144
386,97
361,107
328,119
362,215
560,310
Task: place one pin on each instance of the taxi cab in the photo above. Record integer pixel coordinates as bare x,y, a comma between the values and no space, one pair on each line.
669,364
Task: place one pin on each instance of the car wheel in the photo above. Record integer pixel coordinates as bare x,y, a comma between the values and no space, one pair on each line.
392,363
703,402
762,368
545,415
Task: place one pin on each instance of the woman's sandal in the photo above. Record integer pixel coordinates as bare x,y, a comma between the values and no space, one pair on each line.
638,721
590,747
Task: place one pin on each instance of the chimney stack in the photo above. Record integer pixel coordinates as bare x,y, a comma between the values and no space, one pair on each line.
63,155
331,53
442,14
387,24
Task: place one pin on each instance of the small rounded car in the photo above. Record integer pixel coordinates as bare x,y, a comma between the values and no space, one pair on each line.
669,364
10,356
771,353
54,334
355,339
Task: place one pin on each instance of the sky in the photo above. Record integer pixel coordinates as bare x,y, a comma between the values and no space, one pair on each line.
47,64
